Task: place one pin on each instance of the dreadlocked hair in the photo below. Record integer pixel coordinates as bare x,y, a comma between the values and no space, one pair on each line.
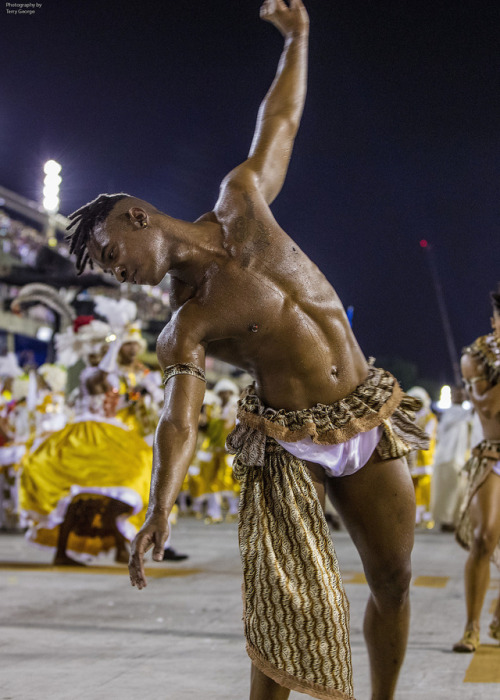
86,219
495,299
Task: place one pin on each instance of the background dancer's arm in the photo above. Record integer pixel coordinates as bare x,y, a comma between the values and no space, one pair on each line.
280,112
486,398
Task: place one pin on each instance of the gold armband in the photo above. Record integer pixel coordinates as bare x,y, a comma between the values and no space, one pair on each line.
183,368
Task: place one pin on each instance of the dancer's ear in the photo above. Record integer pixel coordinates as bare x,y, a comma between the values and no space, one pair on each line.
138,217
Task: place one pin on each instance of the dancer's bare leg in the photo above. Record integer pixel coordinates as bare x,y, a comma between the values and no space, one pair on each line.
65,528
264,688
485,518
495,622
114,510
377,506
496,613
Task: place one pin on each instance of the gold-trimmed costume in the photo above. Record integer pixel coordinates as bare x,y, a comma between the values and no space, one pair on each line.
296,613
478,468
486,351
136,413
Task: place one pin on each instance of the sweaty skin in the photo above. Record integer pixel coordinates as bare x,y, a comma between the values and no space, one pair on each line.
244,292
265,307
485,398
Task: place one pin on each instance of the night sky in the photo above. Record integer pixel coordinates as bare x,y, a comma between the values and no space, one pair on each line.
400,138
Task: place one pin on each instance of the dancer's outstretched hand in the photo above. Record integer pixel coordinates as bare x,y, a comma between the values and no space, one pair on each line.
289,19
153,533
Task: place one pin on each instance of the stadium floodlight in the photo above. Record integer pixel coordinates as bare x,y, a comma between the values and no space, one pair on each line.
51,184
445,398
52,167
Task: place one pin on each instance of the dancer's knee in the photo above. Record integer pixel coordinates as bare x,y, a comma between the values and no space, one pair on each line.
390,583
484,542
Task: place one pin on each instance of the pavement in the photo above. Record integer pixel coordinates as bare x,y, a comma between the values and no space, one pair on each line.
86,634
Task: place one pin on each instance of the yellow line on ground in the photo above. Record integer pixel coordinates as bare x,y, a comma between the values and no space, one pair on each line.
493,606
431,581
157,572
424,581
353,577
485,665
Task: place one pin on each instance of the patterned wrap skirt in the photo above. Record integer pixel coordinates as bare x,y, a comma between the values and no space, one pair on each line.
296,613
484,458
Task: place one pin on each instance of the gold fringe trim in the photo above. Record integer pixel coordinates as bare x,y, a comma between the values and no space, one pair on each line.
332,436
371,402
379,400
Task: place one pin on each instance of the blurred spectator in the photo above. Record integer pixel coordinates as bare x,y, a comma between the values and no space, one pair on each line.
420,462
453,445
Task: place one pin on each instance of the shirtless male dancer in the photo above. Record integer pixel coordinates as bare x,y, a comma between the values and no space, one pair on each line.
243,291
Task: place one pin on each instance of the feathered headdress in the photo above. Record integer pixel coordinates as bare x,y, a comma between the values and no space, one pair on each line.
55,377
86,336
121,315
9,366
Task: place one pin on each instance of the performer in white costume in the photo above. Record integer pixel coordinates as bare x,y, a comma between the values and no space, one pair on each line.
453,445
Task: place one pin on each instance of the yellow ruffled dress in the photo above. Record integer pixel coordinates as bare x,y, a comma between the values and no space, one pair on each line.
213,471
93,458
422,466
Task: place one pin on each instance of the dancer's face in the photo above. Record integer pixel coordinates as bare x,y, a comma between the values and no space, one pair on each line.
224,396
129,351
457,394
94,357
131,253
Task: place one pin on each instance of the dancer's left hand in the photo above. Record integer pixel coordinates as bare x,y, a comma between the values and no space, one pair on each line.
154,533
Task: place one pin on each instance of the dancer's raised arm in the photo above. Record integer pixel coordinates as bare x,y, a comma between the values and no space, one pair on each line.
280,112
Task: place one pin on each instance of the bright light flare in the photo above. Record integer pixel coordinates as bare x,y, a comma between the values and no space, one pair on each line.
52,167
445,397
51,204
44,333
51,185
52,180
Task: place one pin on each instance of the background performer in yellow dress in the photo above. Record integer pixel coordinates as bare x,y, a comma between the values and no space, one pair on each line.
84,489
